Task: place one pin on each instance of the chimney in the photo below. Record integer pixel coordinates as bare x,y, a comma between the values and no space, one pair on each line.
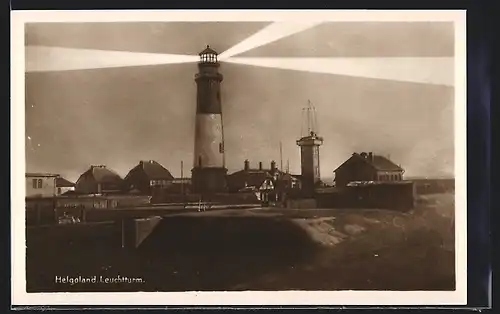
247,165
273,165
363,154
260,165
370,156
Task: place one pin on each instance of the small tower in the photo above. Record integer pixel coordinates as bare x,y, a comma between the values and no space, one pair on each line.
309,144
209,171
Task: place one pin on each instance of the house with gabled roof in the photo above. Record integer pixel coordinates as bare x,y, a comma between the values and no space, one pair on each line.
148,176
261,179
365,167
99,180
63,186
251,179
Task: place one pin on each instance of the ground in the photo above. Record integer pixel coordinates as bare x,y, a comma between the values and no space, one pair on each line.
258,249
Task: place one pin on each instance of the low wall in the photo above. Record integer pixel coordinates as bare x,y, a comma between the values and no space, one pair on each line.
135,231
434,186
40,210
96,202
397,196
307,203
48,210
223,198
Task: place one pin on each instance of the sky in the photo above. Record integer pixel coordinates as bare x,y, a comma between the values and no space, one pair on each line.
121,104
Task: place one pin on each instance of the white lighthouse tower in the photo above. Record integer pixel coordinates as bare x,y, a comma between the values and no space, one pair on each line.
209,171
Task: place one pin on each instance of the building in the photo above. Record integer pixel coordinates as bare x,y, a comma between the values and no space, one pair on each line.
148,176
99,180
251,179
364,167
63,186
309,145
290,181
260,179
309,161
209,171
180,186
41,185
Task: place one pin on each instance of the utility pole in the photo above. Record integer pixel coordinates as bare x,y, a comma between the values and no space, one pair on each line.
182,184
281,157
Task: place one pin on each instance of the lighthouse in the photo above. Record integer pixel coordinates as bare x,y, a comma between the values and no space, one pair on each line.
209,171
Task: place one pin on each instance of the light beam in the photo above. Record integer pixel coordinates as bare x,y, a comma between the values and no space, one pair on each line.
43,59
268,34
426,70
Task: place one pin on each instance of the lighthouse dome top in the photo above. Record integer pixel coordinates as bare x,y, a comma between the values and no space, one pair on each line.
208,55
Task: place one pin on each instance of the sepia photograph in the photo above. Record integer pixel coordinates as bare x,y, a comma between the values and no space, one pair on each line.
240,152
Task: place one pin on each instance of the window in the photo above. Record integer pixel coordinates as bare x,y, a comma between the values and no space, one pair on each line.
37,183
221,148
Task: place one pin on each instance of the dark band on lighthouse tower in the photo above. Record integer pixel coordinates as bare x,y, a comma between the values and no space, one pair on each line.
209,171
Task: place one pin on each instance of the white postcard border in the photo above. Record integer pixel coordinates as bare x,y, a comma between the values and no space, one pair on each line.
257,298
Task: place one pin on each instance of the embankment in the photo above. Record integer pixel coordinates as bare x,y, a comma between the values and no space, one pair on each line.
308,250
182,253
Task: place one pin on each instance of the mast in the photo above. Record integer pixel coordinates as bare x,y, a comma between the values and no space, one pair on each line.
311,118
223,143
182,183
308,117
281,156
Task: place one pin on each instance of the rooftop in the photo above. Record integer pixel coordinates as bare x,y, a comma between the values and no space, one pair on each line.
40,174
102,174
61,182
208,50
155,171
311,139
379,162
